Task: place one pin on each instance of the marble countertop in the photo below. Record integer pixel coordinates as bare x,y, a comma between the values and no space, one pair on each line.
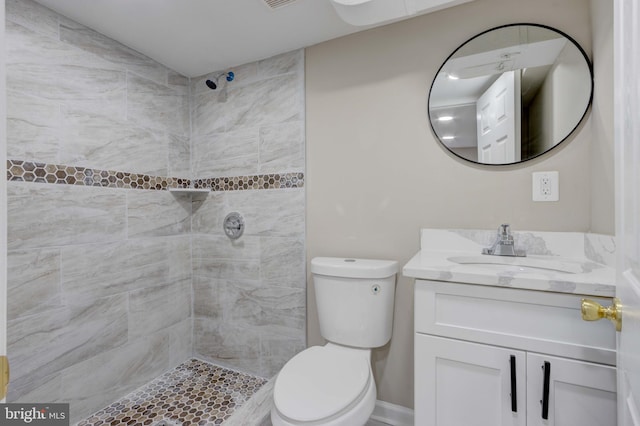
559,262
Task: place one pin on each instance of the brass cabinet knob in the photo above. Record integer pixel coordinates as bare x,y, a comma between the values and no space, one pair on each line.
593,311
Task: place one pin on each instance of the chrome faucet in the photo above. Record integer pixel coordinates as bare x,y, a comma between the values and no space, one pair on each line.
504,245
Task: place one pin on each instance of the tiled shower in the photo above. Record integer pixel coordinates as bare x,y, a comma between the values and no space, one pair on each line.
114,280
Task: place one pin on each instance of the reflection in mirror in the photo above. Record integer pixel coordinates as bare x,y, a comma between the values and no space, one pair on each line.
510,94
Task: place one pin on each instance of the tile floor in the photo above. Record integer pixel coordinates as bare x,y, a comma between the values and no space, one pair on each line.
194,393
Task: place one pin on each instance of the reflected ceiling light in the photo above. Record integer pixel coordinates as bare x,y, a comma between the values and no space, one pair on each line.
448,138
453,77
445,118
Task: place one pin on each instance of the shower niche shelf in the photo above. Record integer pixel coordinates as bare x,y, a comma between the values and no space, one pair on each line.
190,190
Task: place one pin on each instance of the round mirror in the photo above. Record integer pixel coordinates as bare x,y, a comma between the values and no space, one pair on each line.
510,94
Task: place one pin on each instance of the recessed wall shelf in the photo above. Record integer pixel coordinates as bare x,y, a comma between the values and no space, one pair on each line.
190,190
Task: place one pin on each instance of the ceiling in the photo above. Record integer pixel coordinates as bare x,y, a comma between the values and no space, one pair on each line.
196,37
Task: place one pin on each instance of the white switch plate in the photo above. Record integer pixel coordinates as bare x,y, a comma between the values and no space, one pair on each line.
546,186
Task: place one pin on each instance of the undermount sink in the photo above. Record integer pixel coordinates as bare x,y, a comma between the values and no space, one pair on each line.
520,264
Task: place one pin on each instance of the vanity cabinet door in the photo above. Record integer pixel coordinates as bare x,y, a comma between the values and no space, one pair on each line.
575,393
461,383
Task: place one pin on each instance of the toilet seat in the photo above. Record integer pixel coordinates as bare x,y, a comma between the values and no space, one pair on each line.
321,382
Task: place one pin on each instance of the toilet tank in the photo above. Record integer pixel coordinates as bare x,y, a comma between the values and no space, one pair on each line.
355,300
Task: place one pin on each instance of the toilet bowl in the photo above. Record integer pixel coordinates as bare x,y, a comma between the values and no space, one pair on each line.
333,385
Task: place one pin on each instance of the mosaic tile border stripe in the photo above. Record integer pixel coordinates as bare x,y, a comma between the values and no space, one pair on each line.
240,183
31,171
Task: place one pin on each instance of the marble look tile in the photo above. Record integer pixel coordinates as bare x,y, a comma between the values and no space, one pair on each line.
257,410
282,147
179,148
263,308
154,308
226,154
180,342
98,270
208,112
42,67
157,213
157,106
33,128
276,350
175,79
33,281
96,382
266,212
290,62
270,212
275,100
282,261
90,41
227,344
98,141
46,343
50,391
207,302
220,247
235,269
34,16
47,215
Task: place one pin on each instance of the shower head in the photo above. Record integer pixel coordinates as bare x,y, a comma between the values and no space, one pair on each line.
213,83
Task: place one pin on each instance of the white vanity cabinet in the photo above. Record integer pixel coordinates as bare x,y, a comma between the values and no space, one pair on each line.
490,356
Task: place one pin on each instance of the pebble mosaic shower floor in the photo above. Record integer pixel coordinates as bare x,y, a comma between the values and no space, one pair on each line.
194,393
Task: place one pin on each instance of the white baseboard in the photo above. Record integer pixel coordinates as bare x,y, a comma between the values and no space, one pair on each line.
392,414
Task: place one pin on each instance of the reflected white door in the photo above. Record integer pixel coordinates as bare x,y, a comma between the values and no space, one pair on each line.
498,118
627,139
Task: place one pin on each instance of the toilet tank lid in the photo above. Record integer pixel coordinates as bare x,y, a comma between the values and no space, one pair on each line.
353,268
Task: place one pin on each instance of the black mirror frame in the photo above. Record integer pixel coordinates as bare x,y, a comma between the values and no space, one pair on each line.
586,110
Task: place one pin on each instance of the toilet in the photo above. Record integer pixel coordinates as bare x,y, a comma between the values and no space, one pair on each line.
333,385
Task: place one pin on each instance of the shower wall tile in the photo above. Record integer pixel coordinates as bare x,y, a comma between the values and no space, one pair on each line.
47,343
249,128
211,246
33,281
282,147
105,378
208,304
90,41
208,112
99,141
266,212
33,125
157,214
264,308
33,16
290,62
282,261
175,79
179,152
50,390
60,215
229,345
156,308
227,154
99,278
157,106
93,271
274,100
181,341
